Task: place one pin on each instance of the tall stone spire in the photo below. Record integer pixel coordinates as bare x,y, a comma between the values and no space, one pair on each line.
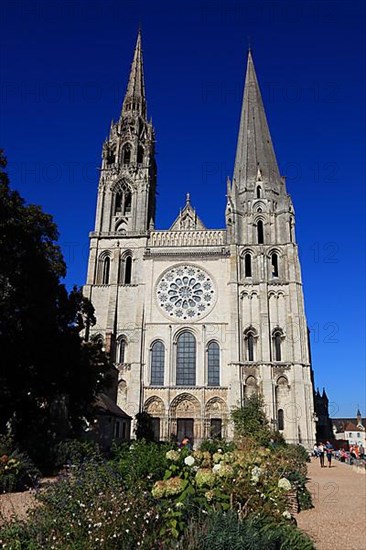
134,100
255,158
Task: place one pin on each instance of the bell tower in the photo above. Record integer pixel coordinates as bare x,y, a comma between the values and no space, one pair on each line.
127,185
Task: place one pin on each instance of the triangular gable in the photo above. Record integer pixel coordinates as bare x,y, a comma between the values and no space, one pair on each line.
188,219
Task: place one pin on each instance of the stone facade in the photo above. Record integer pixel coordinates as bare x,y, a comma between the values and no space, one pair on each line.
197,319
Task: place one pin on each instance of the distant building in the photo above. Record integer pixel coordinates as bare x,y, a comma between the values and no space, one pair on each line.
197,319
351,430
324,428
111,422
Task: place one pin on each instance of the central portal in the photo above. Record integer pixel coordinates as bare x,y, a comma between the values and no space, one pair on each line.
185,429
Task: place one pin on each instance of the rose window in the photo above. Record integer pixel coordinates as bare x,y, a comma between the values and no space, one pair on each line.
186,292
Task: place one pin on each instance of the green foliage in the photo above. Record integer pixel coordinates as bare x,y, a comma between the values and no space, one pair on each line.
213,445
250,420
90,509
221,531
140,461
76,452
17,471
49,376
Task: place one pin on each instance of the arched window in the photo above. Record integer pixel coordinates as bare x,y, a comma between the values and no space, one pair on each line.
118,202
213,364
127,202
123,201
157,363
277,341
126,154
280,420
249,344
259,190
250,387
140,154
106,270
274,262
186,360
122,351
260,232
128,270
248,265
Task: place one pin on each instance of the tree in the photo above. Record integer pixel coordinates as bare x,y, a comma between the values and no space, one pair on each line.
250,420
47,371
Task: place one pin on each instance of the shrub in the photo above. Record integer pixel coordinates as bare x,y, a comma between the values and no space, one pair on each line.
225,530
76,451
17,471
140,461
250,420
91,509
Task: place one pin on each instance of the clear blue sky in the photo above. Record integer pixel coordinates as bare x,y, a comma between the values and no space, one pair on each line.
64,68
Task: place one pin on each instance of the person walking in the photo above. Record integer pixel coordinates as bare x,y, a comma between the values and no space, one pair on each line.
315,450
329,451
321,451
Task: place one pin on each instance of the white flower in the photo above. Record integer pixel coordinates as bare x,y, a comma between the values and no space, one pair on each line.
286,514
216,468
189,460
284,484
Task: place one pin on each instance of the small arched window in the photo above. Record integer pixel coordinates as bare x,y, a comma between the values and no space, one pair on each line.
126,154
248,265
128,270
140,154
260,232
280,419
213,364
106,270
157,363
274,262
250,337
122,351
259,191
186,360
277,342
250,387
291,230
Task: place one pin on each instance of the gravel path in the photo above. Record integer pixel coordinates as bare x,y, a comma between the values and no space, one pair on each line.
338,519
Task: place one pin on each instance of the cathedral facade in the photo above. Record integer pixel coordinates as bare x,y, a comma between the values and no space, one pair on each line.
198,319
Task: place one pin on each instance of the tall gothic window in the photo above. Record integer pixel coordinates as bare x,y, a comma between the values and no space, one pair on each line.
274,262
249,337
259,189
126,154
213,364
128,270
122,202
186,360
260,232
122,350
140,154
280,419
248,265
157,363
106,270
250,343
277,341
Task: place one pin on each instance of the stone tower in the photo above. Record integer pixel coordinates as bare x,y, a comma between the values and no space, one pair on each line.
198,319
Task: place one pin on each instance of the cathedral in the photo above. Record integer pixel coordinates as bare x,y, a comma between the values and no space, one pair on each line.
196,319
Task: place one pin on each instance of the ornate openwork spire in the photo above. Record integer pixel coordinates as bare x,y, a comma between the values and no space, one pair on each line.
134,100
254,153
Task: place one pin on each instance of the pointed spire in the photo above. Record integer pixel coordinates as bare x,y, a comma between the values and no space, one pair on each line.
254,154
134,100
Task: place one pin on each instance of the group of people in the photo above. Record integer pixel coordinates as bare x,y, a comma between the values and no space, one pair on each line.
357,451
320,450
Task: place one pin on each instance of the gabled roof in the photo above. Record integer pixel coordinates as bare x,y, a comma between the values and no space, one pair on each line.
187,219
105,405
347,424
